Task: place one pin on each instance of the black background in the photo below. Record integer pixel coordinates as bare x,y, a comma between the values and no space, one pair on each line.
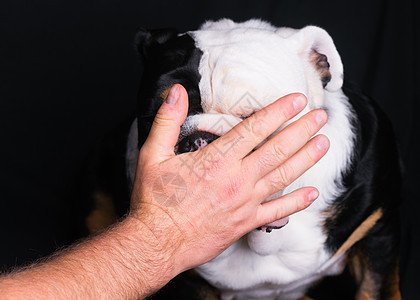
70,74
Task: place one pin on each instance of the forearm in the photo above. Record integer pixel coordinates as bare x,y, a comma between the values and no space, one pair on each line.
119,263
200,216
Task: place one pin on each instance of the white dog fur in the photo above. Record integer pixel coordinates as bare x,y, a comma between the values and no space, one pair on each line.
246,66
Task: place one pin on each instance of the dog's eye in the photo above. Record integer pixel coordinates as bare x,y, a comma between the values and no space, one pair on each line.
243,117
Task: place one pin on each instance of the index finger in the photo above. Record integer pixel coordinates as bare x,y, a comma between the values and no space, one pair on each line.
245,136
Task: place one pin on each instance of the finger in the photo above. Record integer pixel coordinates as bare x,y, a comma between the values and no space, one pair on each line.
284,144
286,205
295,166
164,133
242,138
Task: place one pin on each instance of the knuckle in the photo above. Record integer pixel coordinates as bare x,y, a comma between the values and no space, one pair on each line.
272,156
284,115
161,119
309,157
257,128
276,182
211,160
279,152
284,175
266,159
306,128
279,213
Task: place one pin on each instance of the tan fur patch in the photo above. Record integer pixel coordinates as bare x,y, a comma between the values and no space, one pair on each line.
104,213
165,93
368,289
365,296
394,290
364,278
360,231
356,269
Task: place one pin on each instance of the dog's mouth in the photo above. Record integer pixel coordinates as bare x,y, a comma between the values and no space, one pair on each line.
195,141
278,224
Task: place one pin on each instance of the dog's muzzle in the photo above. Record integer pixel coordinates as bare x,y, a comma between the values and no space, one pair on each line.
195,141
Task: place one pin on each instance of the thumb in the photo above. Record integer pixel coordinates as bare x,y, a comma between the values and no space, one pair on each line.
164,133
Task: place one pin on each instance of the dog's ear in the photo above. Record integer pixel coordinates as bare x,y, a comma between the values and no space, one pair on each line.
146,39
316,47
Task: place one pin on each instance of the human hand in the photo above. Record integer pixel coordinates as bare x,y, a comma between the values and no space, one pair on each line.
194,218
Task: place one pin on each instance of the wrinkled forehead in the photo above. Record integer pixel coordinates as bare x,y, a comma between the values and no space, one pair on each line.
245,69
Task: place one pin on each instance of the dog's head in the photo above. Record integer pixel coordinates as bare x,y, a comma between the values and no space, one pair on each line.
231,70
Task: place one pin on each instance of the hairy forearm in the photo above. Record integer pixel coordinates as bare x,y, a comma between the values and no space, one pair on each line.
124,262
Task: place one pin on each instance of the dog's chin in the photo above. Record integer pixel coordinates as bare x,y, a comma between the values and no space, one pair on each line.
262,243
278,224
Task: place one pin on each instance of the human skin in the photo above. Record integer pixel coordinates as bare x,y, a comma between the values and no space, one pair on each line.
163,236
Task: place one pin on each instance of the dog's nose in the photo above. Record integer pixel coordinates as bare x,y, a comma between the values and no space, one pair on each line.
195,141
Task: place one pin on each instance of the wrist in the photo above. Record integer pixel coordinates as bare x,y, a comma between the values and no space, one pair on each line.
129,260
157,244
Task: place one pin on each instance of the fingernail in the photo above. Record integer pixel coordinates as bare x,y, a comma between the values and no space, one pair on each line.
299,102
173,95
322,144
313,195
320,117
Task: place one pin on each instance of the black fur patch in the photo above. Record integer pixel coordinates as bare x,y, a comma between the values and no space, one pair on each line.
373,182
170,60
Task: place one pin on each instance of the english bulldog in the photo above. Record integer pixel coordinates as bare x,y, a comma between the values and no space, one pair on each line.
350,233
